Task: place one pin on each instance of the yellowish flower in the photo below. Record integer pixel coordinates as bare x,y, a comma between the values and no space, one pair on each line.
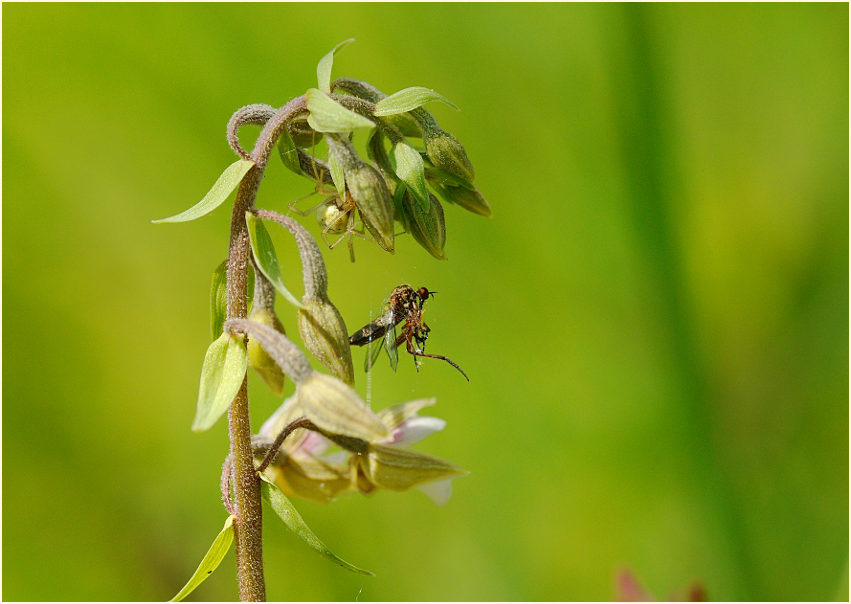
304,468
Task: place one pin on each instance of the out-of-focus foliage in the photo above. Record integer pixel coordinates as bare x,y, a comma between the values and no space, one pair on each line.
654,321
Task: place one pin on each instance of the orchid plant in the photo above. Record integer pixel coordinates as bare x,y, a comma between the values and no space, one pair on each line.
324,440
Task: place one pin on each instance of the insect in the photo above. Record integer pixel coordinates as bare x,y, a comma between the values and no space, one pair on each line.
405,306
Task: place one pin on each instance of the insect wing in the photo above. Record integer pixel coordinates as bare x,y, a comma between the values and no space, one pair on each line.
390,347
373,349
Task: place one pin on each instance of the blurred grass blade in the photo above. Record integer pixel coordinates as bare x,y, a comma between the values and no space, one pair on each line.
223,187
287,512
323,68
327,115
410,168
409,98
266,257
221,376
210,562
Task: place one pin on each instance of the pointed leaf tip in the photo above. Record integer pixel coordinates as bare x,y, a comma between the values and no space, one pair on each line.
408,99
210,562
287,512
323,69
223,187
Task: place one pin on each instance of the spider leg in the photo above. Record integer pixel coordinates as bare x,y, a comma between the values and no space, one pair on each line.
292,207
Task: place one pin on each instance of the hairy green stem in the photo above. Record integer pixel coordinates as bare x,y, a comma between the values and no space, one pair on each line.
248,526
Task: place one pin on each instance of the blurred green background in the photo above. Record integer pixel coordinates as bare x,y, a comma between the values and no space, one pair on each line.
655,320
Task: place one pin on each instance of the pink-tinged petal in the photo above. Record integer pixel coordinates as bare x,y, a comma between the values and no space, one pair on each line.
439,491
313,444
413,430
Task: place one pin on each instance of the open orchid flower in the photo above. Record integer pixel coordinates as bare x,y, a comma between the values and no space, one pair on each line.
303,466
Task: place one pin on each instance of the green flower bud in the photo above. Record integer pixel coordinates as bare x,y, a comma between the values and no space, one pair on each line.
368,189
324,334
454,190
445,152
259,359
427,227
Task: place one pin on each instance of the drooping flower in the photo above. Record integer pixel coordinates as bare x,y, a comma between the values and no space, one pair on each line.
303,467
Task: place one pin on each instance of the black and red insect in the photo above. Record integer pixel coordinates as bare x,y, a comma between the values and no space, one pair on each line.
405,307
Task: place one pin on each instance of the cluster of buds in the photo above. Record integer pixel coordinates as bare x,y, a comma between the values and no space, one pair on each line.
414,162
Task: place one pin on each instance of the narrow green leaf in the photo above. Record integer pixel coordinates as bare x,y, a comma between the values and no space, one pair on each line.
266,257
219,297
221,376
323,69
409,98
287,512
337,174
288,152
410,168
327,115
210,562
223,187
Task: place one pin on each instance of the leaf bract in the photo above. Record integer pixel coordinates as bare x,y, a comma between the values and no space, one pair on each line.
289,152
266,257
323,68
210,562
223,187
221,376
327,115
410,168
287,512
409,98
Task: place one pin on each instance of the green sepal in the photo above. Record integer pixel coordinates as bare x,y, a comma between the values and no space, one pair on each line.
408,99
289,152
327,115
219,297
221,376
323,68
287,512
210,562
266,258
410,168
223,187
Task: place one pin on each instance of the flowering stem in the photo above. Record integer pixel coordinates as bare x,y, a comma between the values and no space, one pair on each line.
248,525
